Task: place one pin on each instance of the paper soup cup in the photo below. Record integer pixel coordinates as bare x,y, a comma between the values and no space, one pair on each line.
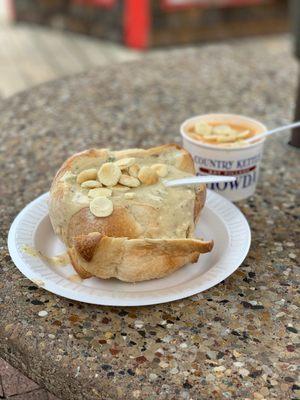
242,162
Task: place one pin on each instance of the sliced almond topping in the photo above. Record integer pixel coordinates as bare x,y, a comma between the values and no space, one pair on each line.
90,184
225,139
124,163
222,130
109,174
196,136
211,138
202,128
67,177
129,181
102,192
120,188
129,195
160,169
134,170
101,207
87,175
147,176
243,135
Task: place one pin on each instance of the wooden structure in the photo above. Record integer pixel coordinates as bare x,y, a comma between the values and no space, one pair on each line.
148,23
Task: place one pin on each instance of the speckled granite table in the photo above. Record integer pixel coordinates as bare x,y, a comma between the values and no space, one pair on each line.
235,341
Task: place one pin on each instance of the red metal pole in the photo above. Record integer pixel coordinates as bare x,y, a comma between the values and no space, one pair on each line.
11,9
136,23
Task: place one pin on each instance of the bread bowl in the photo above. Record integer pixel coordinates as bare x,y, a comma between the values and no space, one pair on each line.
118,220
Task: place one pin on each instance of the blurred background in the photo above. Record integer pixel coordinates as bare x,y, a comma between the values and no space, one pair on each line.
42,40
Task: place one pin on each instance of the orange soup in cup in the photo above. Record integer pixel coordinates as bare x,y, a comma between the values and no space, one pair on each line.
220,134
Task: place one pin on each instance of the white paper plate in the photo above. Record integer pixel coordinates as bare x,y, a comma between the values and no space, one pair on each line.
220,220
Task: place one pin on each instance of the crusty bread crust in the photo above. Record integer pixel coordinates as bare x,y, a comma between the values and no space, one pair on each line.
134,260
115,246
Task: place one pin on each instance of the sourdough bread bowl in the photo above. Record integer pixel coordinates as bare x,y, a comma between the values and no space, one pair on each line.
118,220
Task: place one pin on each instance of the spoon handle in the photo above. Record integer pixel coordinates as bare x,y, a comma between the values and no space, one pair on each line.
196,180
267,133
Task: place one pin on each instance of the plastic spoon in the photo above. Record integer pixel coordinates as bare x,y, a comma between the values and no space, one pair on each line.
196,180
267,133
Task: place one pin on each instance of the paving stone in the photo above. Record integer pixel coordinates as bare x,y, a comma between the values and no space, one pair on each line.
52,397
39,394
13,381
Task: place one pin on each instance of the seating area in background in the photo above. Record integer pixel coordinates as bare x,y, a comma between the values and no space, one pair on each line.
149,23
30,55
